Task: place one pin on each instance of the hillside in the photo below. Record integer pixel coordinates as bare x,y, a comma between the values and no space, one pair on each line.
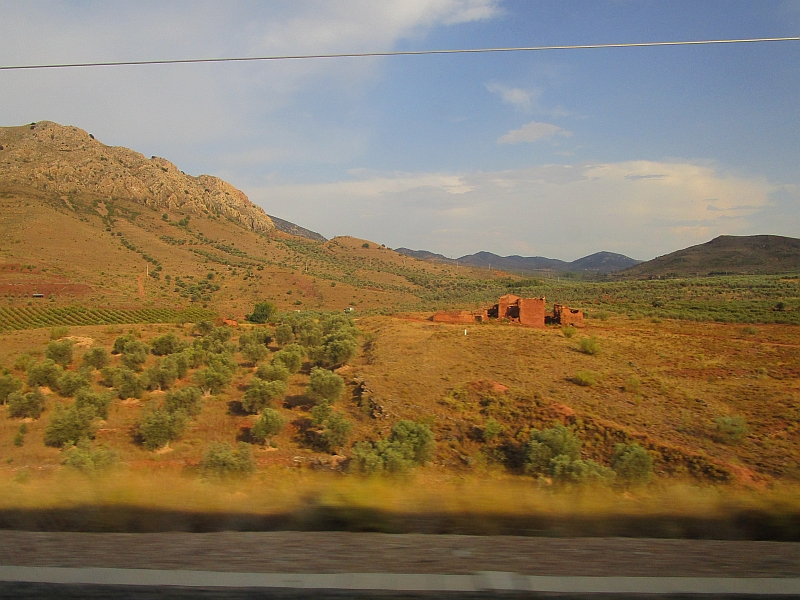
726,254
101,226
599,262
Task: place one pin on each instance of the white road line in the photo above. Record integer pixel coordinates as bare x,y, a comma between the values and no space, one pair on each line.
410,582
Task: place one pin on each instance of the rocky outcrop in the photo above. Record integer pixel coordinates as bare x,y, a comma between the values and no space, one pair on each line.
69,161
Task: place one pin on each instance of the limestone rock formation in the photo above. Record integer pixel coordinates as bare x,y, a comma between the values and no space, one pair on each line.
68,161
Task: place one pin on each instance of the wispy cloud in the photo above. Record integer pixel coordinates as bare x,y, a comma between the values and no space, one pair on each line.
517,97
532,132
563,211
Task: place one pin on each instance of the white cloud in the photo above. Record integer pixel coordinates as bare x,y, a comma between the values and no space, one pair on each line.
517,97
638,208
168,109
532,132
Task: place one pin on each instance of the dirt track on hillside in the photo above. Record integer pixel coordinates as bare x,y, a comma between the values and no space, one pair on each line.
332,552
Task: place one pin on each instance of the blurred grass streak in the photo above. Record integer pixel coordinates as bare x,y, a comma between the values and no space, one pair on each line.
425,503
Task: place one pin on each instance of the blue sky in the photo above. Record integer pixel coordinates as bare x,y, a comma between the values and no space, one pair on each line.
563,153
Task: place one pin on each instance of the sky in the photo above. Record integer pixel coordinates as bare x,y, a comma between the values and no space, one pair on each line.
563,153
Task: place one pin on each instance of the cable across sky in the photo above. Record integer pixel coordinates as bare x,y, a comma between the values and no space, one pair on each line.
182,61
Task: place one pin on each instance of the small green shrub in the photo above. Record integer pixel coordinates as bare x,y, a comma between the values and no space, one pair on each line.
269,424
291,357
632,384
568,331
158,427
169,343
8,385
546,444
97,358
69,425
491,430
203,328
19,437
333,429
632,464
221,460
325,386
44,374
261,394
409,444
99,402
127,383
86,459
60,352
70,382
730,429
585,378
188,400
254,353
284,335
262,313
24,406
56,333
589,346
134,354
273,372
565,470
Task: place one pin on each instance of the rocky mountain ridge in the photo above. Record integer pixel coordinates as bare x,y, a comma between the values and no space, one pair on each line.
65,161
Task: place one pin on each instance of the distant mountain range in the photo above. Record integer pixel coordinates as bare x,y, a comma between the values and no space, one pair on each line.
726,254
599,262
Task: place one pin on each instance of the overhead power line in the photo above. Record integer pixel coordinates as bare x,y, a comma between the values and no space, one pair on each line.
183,61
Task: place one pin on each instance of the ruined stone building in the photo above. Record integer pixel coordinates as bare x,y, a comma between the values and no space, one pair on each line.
525,311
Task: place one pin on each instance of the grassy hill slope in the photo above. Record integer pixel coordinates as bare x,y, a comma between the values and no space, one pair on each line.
726,254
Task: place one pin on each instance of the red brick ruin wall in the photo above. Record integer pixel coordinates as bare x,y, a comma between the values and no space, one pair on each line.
463,316
566,316
531,312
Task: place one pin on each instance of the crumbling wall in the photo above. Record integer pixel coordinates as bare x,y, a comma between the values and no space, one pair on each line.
457,316
504,304
531,312
564,315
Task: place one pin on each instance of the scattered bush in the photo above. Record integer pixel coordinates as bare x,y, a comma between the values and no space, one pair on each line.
160,376
45,374
565,470
187,400
408,445
260,394
568,331
100,403
273,372
589,346
86,459
547,444
585,378
333,429
24,362
284,334
59,352
8,385
134,354
254,353
169,343
632,384
213,380
125,382
269,424
158,427
221,460
491,430
325,386
69,425
632,464
730,429
70,382
97,358
24,406
291,357
262,312
203,328
119,343
61,331
19,437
